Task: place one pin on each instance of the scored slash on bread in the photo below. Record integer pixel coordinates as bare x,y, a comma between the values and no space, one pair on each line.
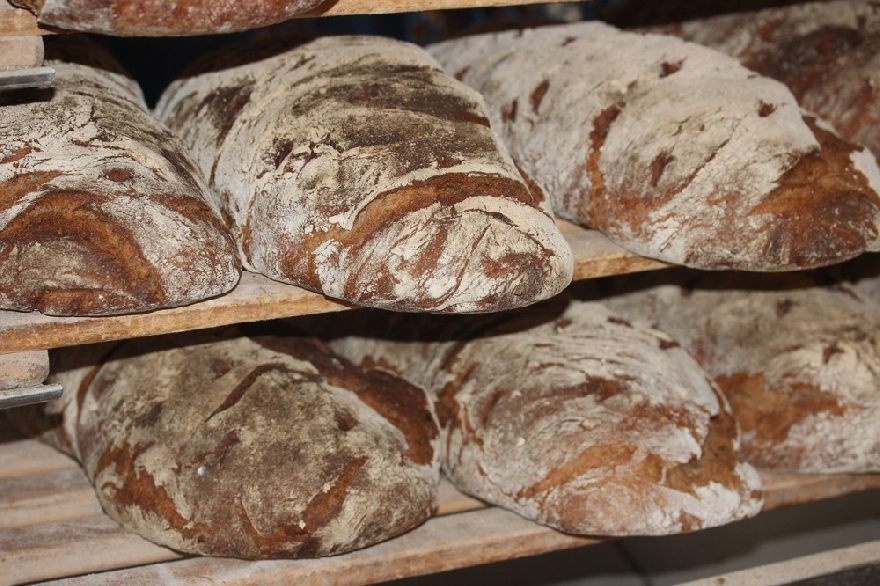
799,363
673,150
244,446
162,18
826,53
101,211
355,167
569,416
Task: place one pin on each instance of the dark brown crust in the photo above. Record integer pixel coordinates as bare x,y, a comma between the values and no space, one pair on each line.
158,17
767,415
122,277
842,207
405,406
388,210
174,473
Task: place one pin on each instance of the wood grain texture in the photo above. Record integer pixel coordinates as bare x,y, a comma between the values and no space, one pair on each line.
23,369
20,52
340,7
50,527
18,21
257,298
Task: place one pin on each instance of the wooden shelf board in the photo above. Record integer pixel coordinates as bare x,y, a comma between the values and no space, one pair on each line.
348,7
51,526
257,298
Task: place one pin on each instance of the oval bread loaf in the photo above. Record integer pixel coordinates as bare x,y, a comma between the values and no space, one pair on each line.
575,419
827,53
160,17
101,211
673,150
799,363
355,167
246,446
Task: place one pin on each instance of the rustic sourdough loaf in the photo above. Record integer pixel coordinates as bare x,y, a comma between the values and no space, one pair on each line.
799,363
101,211
827,53
160,17
575,418
355,167
245,446
673,150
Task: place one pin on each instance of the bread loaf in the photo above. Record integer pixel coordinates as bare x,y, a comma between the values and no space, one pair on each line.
575,419
673,150
827,53
101,211
159,18
354,167
246,446
799,363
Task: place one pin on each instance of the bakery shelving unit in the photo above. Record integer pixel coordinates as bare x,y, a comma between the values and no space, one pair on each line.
52,527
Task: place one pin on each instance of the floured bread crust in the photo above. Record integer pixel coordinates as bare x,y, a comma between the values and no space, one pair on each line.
249,447
161,17
673,150
355,167
827,53
101,212
576,419
800,365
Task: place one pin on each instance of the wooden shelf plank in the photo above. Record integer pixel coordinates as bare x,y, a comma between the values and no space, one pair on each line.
51,526
257,298
345,7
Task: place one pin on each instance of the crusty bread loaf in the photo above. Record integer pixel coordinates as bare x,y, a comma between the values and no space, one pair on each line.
799,363
101,211
673,150
355,167
575,419
827,53
246,446
23,369
161,17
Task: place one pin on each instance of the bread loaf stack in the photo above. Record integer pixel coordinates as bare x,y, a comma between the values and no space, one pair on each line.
355,167
101,209
673,150
570,416
247,446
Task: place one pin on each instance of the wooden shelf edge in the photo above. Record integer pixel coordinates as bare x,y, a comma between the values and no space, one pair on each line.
354,7
257,298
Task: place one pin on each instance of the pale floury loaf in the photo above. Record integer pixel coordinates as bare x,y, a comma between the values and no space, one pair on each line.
101,211
673,150
799,363
160,17
355,167
569,416
244,446
827,53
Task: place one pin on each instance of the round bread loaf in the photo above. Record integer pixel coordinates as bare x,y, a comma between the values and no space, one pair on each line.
575,419
673,150
101,211
827,53
799,363
249,447
355,167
